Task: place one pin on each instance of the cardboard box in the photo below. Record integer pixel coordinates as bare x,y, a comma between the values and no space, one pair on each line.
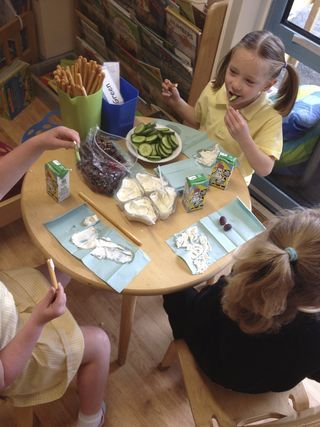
57,180
15,88
222,170
195,189
55,26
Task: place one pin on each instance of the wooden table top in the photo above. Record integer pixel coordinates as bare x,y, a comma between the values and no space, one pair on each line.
166,272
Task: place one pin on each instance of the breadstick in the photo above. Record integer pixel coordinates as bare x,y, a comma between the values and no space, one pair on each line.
91,81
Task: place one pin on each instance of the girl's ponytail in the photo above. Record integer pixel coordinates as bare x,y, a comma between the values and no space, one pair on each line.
287,92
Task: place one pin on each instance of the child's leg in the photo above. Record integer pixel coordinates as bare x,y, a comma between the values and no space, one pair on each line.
93,372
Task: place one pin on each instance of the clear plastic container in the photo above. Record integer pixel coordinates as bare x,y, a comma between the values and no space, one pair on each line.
141,210
150,183
165,201
129,189
104,161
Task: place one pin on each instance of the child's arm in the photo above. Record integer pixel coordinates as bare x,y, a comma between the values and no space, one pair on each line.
15,355
179,105
14,165
239,130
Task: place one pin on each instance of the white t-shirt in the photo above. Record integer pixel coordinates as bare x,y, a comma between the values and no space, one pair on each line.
8,316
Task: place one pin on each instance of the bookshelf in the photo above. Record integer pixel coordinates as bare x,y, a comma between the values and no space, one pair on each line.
133,33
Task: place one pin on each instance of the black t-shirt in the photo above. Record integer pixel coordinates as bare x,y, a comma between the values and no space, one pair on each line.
239,361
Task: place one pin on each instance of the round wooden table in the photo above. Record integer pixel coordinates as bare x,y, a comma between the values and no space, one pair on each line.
165,273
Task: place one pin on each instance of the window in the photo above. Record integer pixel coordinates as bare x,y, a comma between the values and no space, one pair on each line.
297,23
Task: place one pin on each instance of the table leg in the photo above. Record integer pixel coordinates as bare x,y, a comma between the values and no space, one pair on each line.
128,307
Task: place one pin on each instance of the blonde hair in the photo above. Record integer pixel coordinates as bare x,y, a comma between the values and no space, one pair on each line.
265,289
270,48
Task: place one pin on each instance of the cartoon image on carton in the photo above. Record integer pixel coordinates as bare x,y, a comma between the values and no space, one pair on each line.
195,190
222,170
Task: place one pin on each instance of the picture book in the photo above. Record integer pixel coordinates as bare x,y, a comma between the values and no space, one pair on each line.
152,14
183,33
152,41
124,29
89,31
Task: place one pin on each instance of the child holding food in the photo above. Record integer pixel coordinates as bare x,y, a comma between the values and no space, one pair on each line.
234,109
258,329
41,346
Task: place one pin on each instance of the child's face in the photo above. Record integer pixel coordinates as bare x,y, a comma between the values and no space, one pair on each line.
246,77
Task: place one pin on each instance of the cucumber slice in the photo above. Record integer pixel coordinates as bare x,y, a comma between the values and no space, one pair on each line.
166,150
151,138
145,149
166,142
154,158
139,129
137,139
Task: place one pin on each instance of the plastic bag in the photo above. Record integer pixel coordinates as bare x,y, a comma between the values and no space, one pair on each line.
103,161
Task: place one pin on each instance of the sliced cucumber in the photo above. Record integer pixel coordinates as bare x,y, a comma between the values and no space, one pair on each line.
137,139
139,129
145,149
151,138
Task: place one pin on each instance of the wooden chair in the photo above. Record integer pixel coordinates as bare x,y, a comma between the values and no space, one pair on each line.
230,409
10,210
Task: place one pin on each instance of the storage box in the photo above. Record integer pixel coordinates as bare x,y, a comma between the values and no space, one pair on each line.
222,170
57,180
55,26
195,189
118,119
15,88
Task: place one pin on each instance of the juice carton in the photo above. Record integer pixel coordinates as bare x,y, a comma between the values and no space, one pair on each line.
222,170
58,180
195,189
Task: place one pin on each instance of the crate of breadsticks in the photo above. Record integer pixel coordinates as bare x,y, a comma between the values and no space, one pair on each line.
79,88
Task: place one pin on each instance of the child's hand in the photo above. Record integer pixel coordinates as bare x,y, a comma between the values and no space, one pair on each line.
170,92
51,306
57,137
237,125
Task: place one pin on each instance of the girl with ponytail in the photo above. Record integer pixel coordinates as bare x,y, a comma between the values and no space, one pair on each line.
258,329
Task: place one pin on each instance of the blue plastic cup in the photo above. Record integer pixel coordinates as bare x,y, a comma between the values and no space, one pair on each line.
118,119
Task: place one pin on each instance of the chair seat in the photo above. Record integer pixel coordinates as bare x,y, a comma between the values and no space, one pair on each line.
211,401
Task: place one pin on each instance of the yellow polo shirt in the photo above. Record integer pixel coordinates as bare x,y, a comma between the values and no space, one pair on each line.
265,125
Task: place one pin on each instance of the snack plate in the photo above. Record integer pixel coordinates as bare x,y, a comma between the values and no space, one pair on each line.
134,152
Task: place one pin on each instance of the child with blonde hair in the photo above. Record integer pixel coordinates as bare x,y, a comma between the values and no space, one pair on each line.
234,109
41,346
258,329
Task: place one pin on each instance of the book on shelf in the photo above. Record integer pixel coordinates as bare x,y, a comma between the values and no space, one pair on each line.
152,14
83,48
89,31
199,15
152,41
183,33
186,9
93,9
124,29
170,67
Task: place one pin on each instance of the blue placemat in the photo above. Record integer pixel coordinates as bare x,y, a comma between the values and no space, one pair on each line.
176,173
244,227
117,275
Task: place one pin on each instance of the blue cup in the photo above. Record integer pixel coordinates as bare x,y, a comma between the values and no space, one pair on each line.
118,119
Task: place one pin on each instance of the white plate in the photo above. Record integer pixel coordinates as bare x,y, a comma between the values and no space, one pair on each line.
133,151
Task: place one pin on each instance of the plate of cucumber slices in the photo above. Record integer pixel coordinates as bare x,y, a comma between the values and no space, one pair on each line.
154,143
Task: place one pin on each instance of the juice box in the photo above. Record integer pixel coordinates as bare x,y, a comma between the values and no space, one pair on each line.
195,189
222,170
58,180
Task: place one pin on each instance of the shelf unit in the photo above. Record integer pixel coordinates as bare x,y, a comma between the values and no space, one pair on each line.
131,66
